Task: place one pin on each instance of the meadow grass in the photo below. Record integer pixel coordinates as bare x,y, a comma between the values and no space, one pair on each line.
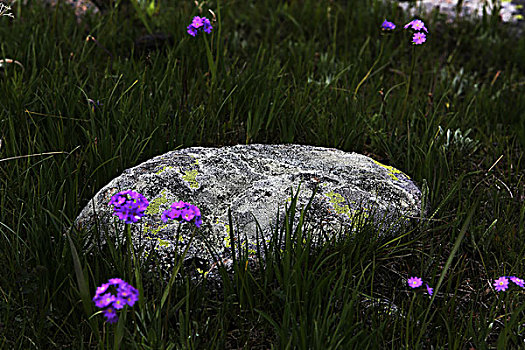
84,104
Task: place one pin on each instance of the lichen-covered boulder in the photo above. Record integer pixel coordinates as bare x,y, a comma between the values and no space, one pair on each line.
254,182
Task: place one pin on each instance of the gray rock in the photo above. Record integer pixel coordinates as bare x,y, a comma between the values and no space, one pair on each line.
254,181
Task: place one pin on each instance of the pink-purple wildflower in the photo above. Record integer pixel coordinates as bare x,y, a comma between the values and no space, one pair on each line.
517,281
419,38
388,26
102,288
415,282
125,295
183,211
104,300
111,315
417,25
198,24
429,290
129,205
501,283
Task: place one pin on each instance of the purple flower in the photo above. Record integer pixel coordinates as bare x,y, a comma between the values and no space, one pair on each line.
126,289
102,288
501,283
118,200
175,211
166,215
429,290
415,282
183,210
517,280
199,23
103,300
419,38
191,30
207,26
130,295
178,205
417,25
119,302
126,294
129,206
116,281
111,315
198,221
388,26
188,214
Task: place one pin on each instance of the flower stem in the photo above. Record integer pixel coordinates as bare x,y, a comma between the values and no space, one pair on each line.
369,71
409,80
211,63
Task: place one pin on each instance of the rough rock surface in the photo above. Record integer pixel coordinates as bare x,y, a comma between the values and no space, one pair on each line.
254,181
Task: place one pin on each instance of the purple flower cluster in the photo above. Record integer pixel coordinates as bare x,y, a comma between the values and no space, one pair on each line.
502,283
419,37
199,23
129,206
126,295
388,26
182,210
415,282
417,25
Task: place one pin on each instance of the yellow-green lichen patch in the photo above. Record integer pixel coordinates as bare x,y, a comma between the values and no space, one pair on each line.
154,206
335,199
226,234
202,272
148,231
190,176
164,169
162,243
352,214
391,170
153,209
